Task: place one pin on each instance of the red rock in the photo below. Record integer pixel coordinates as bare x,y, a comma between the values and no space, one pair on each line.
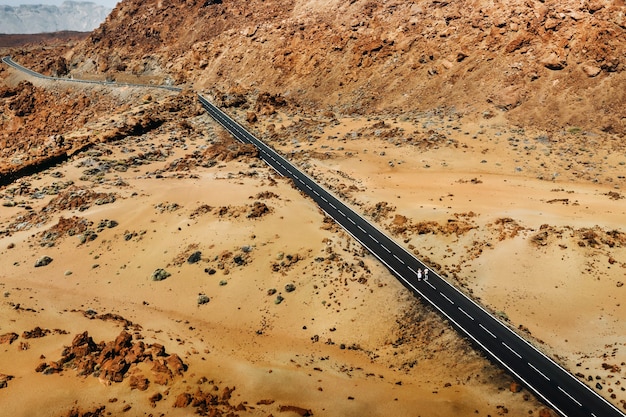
114,369
136,353
123,341
175,364
298,410
183,400
227,393
139,382
35,333
591,70
544,412
8,338
4,380
155,398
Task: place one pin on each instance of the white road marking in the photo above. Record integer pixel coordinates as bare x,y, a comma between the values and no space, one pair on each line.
361,229
571,398
326,201
374,239
309,187
342,213
485,329
350,220
511,349
396,256
385,248
465,312
333,206
412,270
538,371
446,297
316,193
430,285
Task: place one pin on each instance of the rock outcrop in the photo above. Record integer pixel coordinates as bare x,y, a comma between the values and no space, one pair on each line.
113,361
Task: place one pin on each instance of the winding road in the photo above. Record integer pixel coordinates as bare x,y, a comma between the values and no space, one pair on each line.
7,60
545,378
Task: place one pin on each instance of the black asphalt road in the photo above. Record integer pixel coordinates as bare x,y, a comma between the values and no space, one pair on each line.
555,386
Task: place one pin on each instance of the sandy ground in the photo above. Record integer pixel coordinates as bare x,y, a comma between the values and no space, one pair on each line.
349,340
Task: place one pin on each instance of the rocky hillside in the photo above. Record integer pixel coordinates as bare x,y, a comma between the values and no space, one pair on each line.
71,15
550,64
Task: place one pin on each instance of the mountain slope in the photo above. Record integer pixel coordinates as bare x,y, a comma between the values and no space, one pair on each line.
547,64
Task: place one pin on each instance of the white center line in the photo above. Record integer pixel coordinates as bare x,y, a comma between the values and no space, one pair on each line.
464,312
374,239
485,329
342,213
511,349
571,398
351,221
430,285
538,371
385,248
396,256
333,206
412,270
361,229
326,201
444,296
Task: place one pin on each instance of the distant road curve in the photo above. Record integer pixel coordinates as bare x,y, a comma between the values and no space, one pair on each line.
558,388
7,60
554,385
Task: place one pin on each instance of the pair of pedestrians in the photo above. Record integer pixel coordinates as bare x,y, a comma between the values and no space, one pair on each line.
419,274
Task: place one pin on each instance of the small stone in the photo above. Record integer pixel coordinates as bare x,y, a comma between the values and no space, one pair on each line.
160,274
195,257
279,299
591,70
290,287
43,261
203,299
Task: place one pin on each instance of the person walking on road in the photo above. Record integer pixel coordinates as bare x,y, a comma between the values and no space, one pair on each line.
419,274
425,274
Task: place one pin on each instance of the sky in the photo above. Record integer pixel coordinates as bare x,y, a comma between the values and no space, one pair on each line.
107,3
